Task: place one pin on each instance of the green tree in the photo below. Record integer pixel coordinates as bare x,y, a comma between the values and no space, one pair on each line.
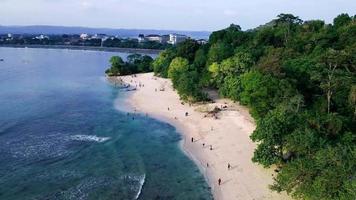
177,68
342,20
162,62
117,66
288,23
352,99
218,52
187,49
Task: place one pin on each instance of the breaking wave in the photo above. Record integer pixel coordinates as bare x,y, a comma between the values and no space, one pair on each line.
90,138
141,183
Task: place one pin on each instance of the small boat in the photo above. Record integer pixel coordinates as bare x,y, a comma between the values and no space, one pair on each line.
1,60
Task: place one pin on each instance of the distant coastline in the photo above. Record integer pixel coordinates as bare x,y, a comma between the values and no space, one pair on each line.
93,48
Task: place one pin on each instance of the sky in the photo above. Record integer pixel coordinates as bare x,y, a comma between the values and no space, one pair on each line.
207,15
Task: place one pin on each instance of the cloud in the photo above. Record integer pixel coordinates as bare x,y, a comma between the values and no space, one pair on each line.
165,14
230,13
86,4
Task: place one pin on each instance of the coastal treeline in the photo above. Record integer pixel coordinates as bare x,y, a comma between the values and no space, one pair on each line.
298,80
136,63
76,41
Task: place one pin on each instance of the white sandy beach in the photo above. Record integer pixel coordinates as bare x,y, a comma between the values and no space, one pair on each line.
228,135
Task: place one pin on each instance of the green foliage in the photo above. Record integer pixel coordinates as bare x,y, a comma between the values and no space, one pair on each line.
200,59
185,80
187,49
162,62
231,87
218,52
272,132
142,63
298,80
177,68
136,63
271,63
117,66
263,93
342,20
188,87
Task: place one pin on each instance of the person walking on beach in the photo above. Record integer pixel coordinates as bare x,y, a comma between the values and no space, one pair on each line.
192,139
203,145
211,147
228,166
219,181
207,165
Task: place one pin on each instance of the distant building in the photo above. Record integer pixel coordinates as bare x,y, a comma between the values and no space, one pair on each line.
165,39
99,36
175,39
141,38
153,38
202,41
84,36
41,37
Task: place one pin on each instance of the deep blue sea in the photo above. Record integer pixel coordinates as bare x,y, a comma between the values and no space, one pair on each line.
62,138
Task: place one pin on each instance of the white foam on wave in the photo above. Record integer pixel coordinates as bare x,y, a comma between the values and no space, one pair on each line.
90,138
141,182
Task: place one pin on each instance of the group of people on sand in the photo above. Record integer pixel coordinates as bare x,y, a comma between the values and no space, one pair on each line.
207,164
229,167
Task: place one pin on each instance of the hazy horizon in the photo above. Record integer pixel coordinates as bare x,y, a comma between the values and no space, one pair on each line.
197,15
109,28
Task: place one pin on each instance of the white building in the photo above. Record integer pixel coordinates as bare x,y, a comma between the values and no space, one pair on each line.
175,39
165,39
99,36
202,41
42,37
141,38
153,38
84,36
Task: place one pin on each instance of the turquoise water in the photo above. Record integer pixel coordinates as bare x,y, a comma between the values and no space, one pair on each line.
61,137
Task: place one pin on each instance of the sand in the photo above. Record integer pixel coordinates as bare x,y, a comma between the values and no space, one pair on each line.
228,136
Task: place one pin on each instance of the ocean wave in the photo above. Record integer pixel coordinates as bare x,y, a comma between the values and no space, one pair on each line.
90,138
141,183
135,183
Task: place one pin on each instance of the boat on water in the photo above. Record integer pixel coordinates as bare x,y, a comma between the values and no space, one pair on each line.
1,60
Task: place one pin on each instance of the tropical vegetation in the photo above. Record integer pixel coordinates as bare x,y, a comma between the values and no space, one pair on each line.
298,80
135,63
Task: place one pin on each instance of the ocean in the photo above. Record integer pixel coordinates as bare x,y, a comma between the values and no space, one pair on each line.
62,138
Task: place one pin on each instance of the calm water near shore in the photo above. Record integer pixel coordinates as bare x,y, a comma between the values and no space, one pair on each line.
62,138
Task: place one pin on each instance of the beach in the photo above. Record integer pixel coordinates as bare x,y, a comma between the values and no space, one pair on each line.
212,142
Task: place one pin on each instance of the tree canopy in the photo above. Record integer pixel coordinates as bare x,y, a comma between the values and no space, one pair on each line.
298,79
136,63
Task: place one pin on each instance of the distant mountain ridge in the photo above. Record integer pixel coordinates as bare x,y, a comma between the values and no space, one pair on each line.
51,30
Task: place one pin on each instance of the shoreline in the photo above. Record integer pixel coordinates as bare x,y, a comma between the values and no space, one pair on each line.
87,48
228,135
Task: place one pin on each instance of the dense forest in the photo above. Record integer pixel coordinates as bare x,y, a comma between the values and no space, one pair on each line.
298,80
